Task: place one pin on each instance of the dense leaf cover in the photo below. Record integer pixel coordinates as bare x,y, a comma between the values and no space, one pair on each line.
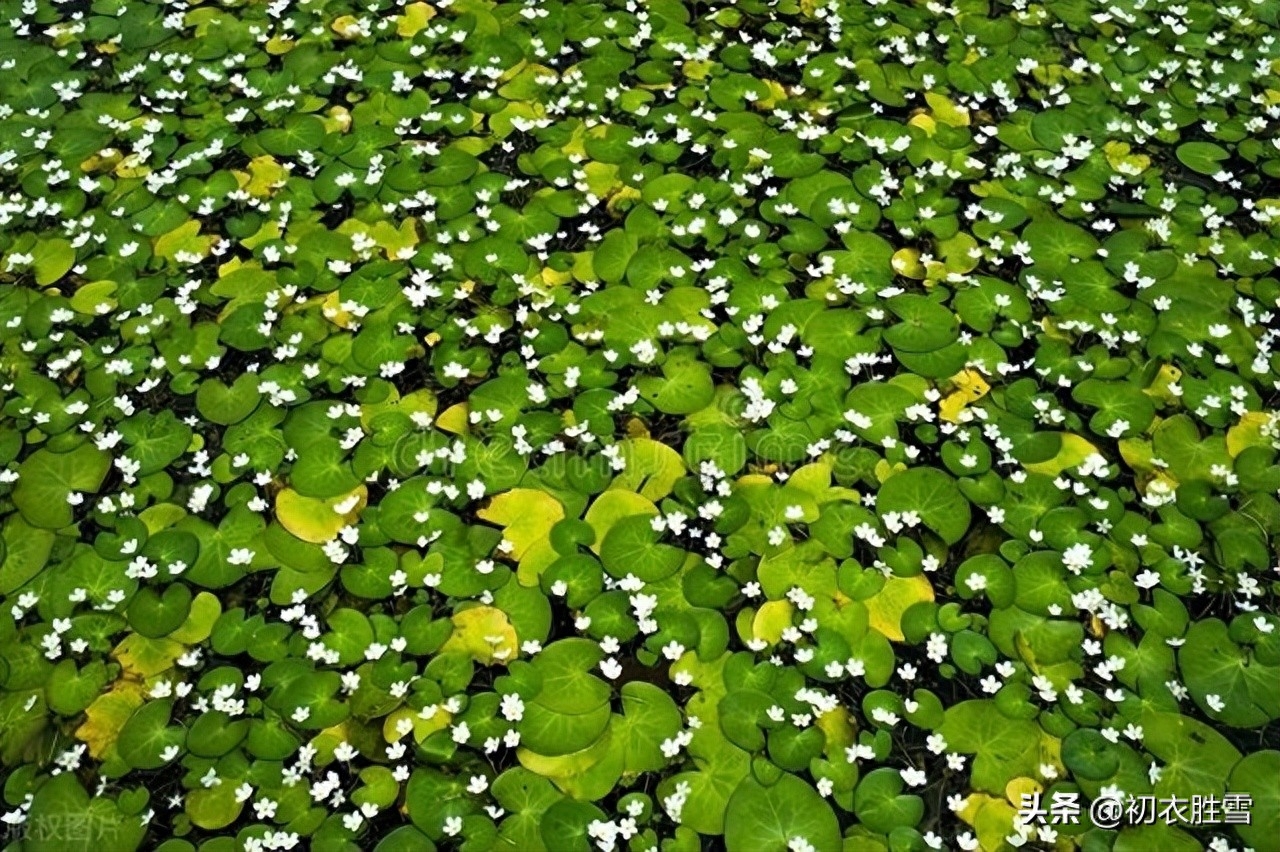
760,425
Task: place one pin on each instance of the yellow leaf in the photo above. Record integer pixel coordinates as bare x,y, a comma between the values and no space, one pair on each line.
1159,387
1073,452
564,765
618,197
970,387
601,178
526,515
396,243
96,297
331,307
263,176
415,18
317,521
422,728
906,262
280,45
140,657
205,609
839,728
536,559
268,231
1247,433
421,401
885,607
697,69
991,818
773,95
945,111
612,506
106,716
485,633
813,479
925,122
552,278
346,27
652,467
453,419
771,619
132,166
184,238
1014,790
338,120
105,159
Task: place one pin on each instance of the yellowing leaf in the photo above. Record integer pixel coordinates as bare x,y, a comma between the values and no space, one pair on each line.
105,159
337,120
773,95
945,111
346,26
526,515
331,307
565,766
485,633
132,166
106,716
263,176
536,559
269,231
1247,433
141,657
396,243
552,278
184,238
697,69
771,619
453,419
317,521
1120,158
991,818
602,178
839,728
970,387
612,506
925,122
1073,452
617,198
1159,387
885,608
280,45
97,297
422,728
906,262
415,18
652,467
1014,790
205,609
813,479
421,401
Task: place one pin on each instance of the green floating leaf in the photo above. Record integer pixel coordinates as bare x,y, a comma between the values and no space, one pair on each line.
770,819
931,493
